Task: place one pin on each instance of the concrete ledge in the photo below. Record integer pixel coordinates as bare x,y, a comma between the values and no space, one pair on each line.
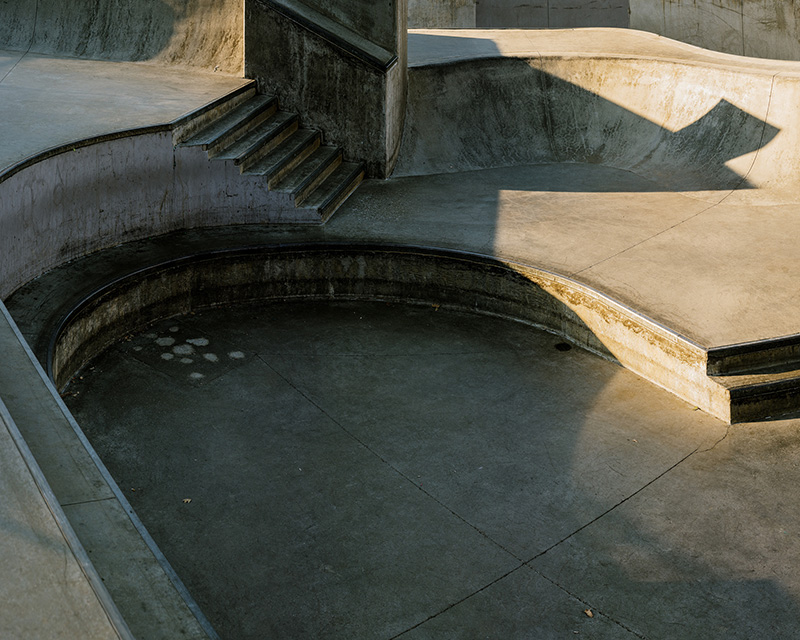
56,591
346,39
116,552
77,198
416,275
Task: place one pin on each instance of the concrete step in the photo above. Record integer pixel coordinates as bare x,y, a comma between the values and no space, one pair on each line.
755,356
310,173
329,195
286,156
235,124
260,140
762,394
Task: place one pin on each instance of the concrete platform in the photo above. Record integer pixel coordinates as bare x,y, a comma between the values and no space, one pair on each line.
48,101
672,198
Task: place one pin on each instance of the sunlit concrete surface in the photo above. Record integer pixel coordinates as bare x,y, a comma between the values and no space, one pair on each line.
48,590
367,470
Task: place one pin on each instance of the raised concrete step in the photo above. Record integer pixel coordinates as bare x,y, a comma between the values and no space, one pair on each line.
234,124
260,140
267,144
310,173
335,190
286,155
767,393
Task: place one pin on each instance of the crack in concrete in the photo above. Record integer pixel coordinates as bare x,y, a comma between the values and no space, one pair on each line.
390,465
619,504
711,206
526,563
586,603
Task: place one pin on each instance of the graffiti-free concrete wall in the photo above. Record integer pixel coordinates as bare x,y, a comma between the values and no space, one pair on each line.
553,14
368,18
337,66
441,14
536,14
757,28
207,34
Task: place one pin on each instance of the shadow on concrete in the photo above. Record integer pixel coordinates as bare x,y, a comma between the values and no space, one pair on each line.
493,111
120,31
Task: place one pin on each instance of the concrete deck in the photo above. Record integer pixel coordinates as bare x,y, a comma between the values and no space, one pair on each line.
714,262
48,101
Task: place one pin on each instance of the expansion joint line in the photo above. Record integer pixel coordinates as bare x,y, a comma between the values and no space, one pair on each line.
30,44
711,206
389,464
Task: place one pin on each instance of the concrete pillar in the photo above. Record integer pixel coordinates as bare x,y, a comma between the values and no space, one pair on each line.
341,64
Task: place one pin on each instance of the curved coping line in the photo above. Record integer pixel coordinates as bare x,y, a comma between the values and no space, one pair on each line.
431,251
183,592
87,568
124,133
604,56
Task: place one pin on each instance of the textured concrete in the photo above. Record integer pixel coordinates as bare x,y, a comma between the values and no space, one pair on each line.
441,14
45,101
149,601
694,231
759,28
206,34
353,78
551,14
358,470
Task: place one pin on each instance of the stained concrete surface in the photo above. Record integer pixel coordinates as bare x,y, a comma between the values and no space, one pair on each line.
48,101
373,471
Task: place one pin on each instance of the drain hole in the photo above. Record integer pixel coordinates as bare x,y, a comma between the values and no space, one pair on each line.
563,346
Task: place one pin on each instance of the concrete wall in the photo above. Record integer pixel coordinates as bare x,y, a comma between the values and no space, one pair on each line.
375,21
553,14
758,28
441,14
116,190
713,129
207,34
348,84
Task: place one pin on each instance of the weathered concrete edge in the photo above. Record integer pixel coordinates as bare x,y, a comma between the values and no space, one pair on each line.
589,318
60,518
63,522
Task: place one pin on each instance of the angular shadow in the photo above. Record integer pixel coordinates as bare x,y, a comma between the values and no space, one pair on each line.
491,111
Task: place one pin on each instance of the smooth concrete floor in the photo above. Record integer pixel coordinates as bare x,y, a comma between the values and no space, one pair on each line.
380,471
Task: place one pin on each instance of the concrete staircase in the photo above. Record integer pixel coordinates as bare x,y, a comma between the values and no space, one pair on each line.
268,144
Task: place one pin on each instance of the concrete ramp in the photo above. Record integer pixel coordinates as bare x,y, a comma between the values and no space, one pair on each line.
206,34
688,120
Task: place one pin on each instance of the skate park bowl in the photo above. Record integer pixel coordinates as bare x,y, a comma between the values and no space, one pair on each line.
633,195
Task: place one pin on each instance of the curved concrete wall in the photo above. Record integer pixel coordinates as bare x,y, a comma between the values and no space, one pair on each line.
758,28
687,126
208,34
